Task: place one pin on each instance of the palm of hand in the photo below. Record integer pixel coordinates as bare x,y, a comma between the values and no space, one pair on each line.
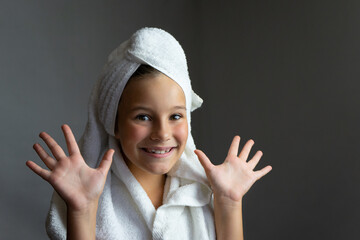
233,178
77,183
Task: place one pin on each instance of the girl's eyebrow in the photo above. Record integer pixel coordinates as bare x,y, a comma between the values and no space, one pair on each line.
149,109
139,108
180,107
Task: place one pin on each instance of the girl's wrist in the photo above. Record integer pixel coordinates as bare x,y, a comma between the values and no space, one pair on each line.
81,222
83,210
227,202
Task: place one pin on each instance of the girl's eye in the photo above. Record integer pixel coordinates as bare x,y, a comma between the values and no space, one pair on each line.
175,117
143,117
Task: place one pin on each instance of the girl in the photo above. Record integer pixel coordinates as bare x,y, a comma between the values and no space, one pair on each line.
139,127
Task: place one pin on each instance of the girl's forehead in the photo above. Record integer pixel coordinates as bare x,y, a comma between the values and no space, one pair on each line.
155,89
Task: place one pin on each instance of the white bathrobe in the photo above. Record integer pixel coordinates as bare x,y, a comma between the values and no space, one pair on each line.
125,211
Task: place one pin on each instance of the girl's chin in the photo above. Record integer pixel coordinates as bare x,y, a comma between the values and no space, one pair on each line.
153,166
159,170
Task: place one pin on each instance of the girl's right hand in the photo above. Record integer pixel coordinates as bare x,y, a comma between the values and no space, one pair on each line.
79,185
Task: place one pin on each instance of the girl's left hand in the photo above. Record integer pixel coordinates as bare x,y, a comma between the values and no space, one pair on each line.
232,179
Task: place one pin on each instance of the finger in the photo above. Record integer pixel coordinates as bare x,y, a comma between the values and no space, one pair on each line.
71,143
262,172
255,160
45,174
53,146
204,160
244,154
234,147
44,156
106,161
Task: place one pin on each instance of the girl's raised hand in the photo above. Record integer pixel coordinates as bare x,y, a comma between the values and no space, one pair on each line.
232,179
79,185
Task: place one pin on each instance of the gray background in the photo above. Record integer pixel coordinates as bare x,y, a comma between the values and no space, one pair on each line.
284,73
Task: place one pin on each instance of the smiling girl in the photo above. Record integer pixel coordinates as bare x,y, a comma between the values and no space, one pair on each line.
136,172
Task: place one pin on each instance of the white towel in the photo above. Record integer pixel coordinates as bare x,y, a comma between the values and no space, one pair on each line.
125,211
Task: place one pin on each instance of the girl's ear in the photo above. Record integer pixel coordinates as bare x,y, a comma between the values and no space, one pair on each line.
116,135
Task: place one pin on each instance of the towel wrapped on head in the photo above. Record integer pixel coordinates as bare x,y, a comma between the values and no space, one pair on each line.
125,211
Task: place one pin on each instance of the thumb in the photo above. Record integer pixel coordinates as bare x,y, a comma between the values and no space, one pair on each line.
106,161
204,160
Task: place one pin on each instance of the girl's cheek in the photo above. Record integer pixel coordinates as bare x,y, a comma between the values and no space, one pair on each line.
181,131
137,131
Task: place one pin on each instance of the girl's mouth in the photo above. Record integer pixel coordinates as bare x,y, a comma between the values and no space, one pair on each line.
158,152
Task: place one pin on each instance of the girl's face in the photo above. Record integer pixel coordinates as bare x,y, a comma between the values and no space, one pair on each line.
152,125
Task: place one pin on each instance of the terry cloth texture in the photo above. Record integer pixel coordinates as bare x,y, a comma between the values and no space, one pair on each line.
125,211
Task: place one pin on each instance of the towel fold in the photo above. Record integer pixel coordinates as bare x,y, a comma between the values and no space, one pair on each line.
125,211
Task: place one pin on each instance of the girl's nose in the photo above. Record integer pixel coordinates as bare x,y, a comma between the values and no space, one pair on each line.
161,132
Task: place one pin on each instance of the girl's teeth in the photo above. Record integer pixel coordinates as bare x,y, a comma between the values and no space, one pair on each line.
159,151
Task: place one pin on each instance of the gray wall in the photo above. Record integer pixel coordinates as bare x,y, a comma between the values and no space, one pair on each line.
281,72
286,73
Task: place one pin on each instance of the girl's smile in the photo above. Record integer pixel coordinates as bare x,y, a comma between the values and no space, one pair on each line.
159,152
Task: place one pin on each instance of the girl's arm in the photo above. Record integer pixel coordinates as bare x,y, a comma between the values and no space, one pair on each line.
228,219
78,185
82,224
230,181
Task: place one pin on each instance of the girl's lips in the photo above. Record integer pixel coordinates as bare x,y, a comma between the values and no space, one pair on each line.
158,155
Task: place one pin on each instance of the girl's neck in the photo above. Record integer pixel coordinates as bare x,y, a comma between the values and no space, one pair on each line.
154,187
152,184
